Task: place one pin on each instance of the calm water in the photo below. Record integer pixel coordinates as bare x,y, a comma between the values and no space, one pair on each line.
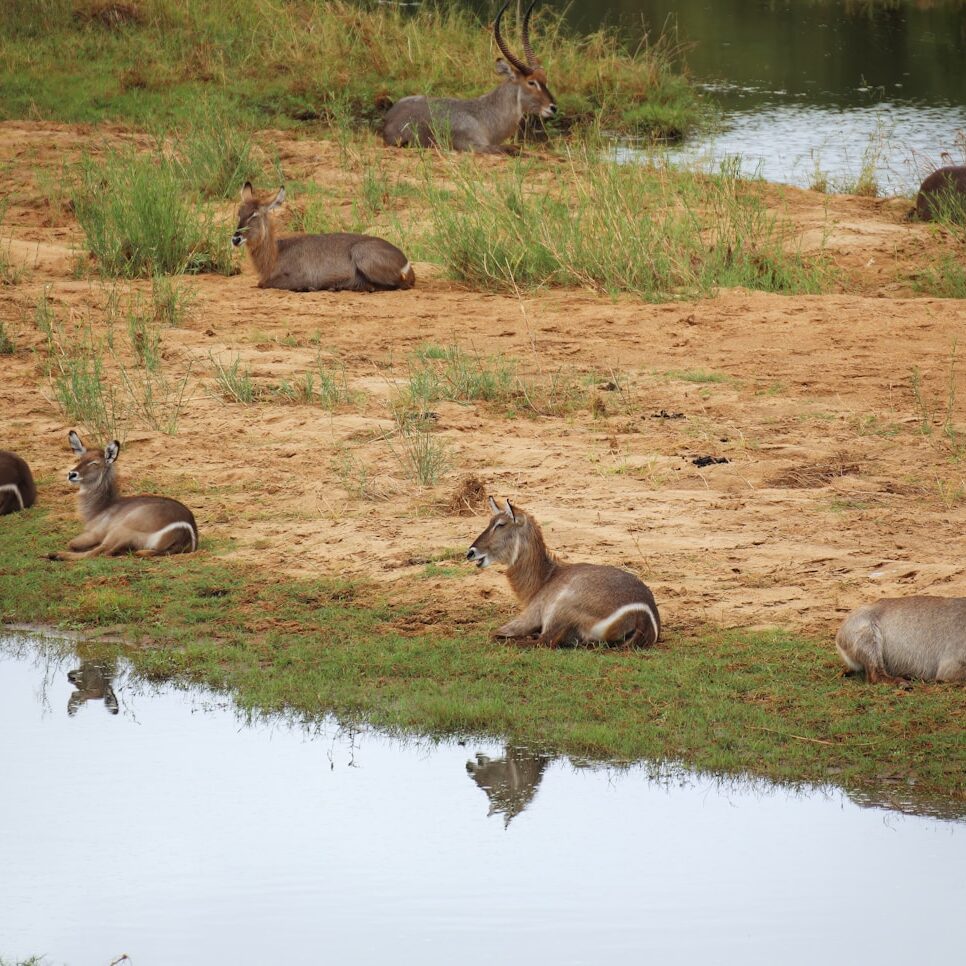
819,84
158,823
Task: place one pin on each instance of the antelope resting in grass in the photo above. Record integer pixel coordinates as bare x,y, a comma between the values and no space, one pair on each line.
480,123
148,526
564,603
945,188
17,490
312,263
906,637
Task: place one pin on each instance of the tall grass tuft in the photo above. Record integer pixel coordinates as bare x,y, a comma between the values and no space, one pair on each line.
6,343
140,222
613,228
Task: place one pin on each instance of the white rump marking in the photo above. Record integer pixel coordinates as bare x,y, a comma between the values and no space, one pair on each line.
599,631
155,537
405,270
15,490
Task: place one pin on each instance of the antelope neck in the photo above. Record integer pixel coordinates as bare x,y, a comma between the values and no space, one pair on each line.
96,499
263,248
533,568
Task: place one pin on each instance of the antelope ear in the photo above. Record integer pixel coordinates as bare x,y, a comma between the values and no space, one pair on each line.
510,512
111,451
75,443
247,193
504,69
493,505
277,200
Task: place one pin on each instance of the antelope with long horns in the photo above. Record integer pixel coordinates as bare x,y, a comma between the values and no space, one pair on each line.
313,263
563,603
147,526
17,489
480,123
906,637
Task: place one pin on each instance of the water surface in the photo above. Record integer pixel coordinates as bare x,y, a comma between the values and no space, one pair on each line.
161,823
818,87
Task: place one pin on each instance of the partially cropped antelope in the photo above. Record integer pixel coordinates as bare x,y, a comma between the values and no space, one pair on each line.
148,526
906,637
480,123
312,263
943,191
17,490
564,603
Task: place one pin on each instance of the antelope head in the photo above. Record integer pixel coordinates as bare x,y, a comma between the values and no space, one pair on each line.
93,468
530,78
503,538
253,215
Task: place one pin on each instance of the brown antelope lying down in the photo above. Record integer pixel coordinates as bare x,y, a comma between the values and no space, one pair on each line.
944,189
148,526
906,637
312,263
480,123
17,490
564,603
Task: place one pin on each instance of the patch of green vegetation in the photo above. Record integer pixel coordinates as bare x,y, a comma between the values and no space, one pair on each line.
95,384
7,348
770,704
139,220
613,228
946,281
698,376
262,64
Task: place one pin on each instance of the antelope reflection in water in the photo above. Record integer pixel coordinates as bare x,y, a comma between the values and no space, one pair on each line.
510,782
92,682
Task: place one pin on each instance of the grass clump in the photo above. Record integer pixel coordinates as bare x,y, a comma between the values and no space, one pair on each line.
946,281
420,452
139,222
265,64
614,228
7,347
234,381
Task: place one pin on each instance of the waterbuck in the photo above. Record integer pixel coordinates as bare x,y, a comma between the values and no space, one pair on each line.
480,123
148,526
312,263
17,490
944,191
563,603
906,637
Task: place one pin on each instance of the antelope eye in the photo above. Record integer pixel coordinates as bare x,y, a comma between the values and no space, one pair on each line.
533,83
499,523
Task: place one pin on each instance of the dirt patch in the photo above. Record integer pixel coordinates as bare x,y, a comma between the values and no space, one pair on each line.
844,480
811,475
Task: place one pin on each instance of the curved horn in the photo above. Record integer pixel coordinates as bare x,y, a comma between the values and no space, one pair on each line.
501,43
527,49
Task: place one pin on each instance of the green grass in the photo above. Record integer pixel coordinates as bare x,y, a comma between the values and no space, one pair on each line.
107,383
613,228
946,281
7,347
770,704
264,64
140,221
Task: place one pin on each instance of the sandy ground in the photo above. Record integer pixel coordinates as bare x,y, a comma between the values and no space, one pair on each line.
841,485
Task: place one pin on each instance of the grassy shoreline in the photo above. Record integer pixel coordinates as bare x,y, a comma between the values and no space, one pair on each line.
151,62
739,702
